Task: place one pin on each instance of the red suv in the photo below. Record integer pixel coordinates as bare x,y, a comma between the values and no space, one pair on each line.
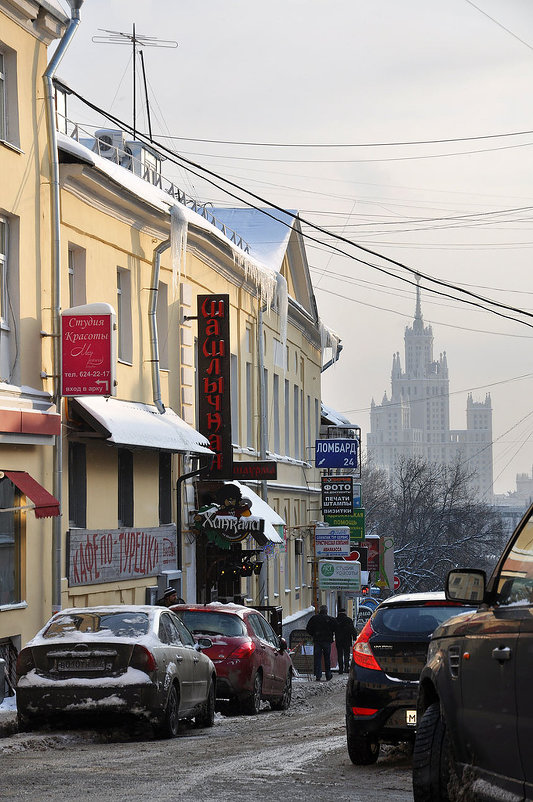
251,661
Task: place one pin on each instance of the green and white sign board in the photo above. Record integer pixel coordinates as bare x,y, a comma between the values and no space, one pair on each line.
339,575
355,522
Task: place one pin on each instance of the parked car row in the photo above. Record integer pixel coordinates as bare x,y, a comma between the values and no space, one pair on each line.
144,661
451,672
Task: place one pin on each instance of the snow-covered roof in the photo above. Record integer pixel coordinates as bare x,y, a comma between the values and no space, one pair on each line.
261,509
267,231
262,272
335,418
135,424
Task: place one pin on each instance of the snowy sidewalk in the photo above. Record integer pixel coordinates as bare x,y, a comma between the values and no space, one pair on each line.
8,717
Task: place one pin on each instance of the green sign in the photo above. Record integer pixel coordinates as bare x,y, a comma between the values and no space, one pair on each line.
339,575
355,523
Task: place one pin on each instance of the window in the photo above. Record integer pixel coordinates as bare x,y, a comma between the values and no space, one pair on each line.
10,544
249,406
76,276
264,422
296,413
3,131
165,488
125,342
515,584
4,244
125,487
162,325
287,419
9,124
275,404
77,485
234,377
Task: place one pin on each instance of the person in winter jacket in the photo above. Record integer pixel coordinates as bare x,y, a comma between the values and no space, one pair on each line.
344,635
322,627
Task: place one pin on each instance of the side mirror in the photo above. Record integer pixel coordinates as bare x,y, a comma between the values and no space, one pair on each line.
283,645
466,585
204,643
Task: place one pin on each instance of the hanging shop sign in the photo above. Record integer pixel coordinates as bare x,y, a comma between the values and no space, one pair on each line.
372,545
88,350
255,470
109,555
357,495
332,541
355,522
336,453
227,519
339,575
337,495
214,394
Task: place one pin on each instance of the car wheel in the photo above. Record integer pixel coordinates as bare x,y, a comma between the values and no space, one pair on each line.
252,704
284,702
362,749
169,725
207,717
432,758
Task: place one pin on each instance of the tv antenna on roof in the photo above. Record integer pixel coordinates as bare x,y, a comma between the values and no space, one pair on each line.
137,41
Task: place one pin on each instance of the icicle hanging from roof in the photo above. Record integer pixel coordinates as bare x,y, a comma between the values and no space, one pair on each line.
263,277
178,243
328,339
282,304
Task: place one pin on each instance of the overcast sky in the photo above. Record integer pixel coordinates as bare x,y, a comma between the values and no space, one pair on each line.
317,72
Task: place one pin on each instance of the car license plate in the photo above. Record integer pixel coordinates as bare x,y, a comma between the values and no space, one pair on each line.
410,718
79,664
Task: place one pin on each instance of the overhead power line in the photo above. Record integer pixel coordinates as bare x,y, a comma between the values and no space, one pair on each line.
208,175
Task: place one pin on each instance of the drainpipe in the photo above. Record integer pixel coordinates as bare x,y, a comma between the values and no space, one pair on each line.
152,320
56,285
262,433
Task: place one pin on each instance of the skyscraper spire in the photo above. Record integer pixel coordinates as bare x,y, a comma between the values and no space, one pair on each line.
418,324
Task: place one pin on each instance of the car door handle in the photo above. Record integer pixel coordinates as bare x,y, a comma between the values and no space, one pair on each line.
196,659
179,658
502,654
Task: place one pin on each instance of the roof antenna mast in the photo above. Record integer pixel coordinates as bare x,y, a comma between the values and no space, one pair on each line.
137,41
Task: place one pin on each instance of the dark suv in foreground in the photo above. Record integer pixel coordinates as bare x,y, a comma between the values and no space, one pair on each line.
388,656
475,736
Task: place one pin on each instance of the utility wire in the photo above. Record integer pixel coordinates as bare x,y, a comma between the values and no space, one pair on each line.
495,21
417,273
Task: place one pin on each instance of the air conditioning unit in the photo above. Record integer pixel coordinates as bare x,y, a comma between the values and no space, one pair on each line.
110,143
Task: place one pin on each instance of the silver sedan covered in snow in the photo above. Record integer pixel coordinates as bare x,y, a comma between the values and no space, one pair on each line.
125,659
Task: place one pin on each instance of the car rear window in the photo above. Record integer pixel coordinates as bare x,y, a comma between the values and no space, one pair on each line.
420,620
207,622
115,624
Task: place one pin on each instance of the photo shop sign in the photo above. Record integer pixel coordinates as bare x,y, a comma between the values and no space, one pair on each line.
109,555
88,350
214,393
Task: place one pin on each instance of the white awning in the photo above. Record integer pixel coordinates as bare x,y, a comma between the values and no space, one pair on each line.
130,423
260,509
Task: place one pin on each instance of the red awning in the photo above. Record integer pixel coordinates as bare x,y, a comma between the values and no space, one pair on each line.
46,505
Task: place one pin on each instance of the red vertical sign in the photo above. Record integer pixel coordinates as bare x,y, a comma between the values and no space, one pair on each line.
214,397
87,354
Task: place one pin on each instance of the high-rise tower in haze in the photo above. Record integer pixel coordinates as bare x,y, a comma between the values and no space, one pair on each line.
415,420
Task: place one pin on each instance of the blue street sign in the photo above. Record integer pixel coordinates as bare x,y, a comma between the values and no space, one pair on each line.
336,453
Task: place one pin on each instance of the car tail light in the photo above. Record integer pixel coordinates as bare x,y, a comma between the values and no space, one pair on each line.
364,711
25,662
244,650
362,653
143,659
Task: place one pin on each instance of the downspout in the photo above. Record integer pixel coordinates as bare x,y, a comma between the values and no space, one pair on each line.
152,320
262,432
55,214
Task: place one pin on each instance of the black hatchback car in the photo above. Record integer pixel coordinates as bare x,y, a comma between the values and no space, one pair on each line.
475,736
388,657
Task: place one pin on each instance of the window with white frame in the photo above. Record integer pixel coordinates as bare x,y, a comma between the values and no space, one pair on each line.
287,419
249,407
234,377
4,244
275,409
296,413
125,336
76,275
3,121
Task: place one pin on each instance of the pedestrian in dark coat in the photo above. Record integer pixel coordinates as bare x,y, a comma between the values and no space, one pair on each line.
321,627
344,635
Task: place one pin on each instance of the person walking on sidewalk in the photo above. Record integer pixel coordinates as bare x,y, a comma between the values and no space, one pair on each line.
321,627
344,635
